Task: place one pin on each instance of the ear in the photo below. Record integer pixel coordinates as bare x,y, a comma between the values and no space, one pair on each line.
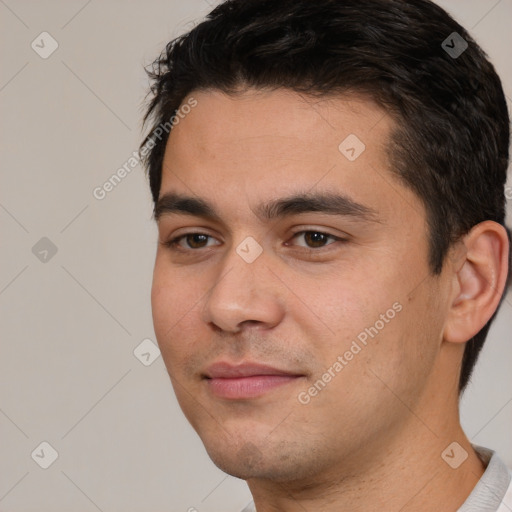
480,275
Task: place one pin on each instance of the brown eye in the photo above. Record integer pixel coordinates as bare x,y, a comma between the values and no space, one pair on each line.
315,239
196,240
193,241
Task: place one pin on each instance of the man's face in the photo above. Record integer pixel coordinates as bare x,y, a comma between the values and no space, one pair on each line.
301,340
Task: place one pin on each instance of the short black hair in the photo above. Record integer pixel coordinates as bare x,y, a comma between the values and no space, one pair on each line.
451,142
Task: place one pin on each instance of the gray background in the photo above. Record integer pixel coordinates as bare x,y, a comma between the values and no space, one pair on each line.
71,322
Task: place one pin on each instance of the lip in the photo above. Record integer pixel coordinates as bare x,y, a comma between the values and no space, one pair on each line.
225,370
246,380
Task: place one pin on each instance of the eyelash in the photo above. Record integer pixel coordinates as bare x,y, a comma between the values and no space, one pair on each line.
173,244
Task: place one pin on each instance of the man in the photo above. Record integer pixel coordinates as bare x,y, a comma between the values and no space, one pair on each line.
328,180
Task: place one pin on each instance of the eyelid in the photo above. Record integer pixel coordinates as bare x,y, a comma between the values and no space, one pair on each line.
325,231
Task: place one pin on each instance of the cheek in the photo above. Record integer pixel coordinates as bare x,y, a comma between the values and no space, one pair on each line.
408,347
384,330
352,308
171,305
161,299
172,296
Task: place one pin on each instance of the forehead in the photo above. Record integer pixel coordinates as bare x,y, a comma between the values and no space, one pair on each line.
278,119
264,144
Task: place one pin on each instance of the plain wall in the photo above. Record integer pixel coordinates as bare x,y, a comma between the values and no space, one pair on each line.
69,325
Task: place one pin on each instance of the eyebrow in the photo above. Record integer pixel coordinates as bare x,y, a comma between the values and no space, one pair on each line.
327,203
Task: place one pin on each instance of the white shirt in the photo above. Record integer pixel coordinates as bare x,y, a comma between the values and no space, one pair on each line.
492,493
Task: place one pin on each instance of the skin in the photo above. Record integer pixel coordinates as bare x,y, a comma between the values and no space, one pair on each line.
373,436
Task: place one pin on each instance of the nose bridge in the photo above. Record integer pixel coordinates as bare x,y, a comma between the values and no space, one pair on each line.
243,291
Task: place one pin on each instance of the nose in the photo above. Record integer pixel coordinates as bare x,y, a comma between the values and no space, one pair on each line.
244,293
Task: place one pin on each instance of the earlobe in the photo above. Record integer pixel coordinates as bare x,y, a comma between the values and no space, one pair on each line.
479,281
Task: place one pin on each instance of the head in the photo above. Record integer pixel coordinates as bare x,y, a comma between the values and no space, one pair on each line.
357,108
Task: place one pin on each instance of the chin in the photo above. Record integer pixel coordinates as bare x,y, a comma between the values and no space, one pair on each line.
245,460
